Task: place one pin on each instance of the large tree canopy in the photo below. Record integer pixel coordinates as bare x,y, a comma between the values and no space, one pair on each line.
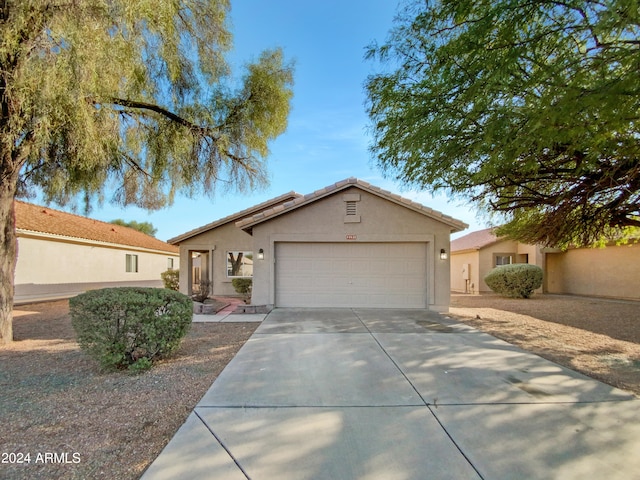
131,97
530,108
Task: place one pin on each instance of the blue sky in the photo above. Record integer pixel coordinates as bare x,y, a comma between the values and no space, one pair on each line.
326,140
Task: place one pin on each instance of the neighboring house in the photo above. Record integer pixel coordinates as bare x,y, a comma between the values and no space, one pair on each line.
474,255
61,255
350,244
611,271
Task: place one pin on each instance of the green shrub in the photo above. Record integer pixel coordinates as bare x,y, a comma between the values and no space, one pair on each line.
171,279
130,327
243,286
517,281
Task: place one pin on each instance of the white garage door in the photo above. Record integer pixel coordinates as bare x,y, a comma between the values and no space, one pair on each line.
380,275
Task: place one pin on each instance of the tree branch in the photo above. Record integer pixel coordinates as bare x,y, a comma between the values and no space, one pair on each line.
174,117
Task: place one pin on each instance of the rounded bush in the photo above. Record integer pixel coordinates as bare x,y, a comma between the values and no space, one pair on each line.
171,279
517,281
243,286
130,327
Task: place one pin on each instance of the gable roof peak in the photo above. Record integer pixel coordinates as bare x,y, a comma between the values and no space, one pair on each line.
248,222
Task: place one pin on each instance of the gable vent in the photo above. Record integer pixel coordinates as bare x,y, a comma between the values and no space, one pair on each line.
351,204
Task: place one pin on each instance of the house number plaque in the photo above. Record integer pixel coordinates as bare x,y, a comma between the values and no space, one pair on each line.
352,237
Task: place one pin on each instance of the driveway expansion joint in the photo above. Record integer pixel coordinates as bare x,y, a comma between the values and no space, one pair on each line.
389,357
303,399
226,449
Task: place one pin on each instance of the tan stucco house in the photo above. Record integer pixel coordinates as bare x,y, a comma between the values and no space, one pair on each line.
474,255
350,244
61,255
610,272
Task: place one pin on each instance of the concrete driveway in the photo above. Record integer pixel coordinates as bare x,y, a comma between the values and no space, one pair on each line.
399,394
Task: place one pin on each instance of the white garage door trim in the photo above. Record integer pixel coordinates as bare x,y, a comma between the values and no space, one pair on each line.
343,274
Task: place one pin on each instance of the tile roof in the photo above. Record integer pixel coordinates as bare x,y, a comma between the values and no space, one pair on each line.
235,216
45,220
475,240
248,223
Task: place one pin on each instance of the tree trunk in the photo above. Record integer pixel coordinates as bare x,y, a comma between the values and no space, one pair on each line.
8,254
236,263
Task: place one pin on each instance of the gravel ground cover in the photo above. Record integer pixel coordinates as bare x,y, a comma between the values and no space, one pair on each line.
597,337
77,422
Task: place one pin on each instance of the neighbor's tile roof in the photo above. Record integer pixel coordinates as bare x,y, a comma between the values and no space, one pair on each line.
474,240
249,222
36,218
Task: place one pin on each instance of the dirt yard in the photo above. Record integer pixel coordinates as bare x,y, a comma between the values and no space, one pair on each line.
54,400
600,338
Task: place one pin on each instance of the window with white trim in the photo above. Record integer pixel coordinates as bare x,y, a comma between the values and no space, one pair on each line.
131,263
503,260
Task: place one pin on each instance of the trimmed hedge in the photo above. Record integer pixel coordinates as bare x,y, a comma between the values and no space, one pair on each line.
517,281
130,327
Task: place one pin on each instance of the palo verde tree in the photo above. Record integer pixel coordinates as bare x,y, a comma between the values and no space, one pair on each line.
529,108
131,97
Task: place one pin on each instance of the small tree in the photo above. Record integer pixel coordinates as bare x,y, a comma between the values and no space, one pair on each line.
131,99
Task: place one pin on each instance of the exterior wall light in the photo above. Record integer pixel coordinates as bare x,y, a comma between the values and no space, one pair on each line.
261,254
443,254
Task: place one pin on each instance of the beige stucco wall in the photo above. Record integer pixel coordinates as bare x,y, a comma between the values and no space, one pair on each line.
613,271
215,244
463,264
64,267
380,221
482,261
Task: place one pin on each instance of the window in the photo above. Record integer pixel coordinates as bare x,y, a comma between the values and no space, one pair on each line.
170,263
132,263
239,264
503,260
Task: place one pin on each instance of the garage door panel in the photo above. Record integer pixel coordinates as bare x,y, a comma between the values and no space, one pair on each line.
351,275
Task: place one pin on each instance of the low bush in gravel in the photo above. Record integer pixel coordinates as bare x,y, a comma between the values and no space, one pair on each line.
243,286
130,327
516,281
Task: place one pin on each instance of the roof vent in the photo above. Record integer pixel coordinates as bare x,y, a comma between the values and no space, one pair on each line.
351,205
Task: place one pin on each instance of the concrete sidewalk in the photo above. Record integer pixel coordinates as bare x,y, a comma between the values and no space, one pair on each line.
380,394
